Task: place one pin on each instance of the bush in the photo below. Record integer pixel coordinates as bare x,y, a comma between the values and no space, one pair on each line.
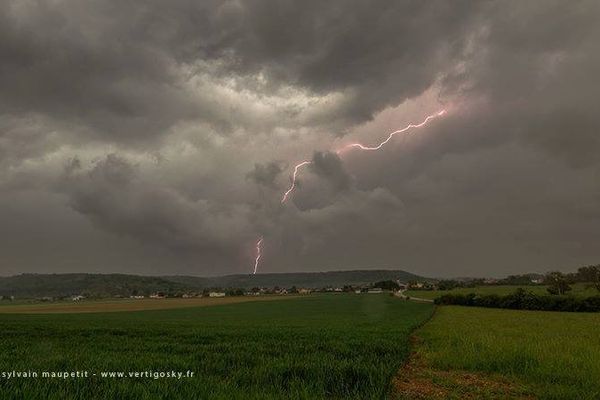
523,300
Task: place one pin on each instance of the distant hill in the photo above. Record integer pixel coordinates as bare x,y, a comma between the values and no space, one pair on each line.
299,279
110,285
93,285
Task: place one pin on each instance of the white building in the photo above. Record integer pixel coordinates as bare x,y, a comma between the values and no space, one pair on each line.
216,294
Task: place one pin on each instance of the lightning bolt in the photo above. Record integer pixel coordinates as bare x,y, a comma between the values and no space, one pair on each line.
293,184
258,253
392,134
359,146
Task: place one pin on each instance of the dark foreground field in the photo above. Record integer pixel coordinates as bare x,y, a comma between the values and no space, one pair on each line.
121,305
329,346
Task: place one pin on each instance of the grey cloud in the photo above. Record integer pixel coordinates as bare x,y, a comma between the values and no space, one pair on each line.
116,68
329,166
114,196
535,69
265,175
322,182
379,53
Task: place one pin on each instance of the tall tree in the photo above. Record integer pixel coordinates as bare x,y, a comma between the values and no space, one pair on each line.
557,283
591,274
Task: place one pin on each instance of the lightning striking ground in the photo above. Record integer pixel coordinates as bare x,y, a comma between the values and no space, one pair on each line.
359,146
258,254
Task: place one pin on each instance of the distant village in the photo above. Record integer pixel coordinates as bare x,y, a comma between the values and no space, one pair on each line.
378,287
388,286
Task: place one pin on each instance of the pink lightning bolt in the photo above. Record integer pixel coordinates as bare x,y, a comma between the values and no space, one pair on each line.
359,146
391,135
258,254
293,184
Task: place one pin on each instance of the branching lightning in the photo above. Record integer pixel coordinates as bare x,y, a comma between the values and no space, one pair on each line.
359,146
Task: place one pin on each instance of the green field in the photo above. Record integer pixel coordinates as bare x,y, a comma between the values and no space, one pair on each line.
327,346
578,289
553,355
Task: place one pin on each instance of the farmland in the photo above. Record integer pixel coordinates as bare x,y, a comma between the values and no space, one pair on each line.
114,305
531,354
320,346
344,346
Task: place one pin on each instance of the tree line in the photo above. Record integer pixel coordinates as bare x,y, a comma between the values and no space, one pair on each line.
522,299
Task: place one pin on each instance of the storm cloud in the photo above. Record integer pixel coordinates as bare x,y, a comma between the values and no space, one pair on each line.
159,137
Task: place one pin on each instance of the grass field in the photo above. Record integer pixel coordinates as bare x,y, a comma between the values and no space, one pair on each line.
327,346
578,289
549,354
114,305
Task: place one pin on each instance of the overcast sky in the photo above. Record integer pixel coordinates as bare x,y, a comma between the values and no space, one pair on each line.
157,137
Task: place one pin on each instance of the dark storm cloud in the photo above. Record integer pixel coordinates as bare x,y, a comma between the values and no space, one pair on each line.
174,126
115,197
265,175
82,65
329,166
382,52
536,70
118,69
325,182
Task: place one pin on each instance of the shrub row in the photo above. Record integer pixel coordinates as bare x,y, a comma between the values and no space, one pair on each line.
523,300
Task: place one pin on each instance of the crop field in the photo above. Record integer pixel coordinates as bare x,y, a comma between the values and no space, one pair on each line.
322,346
546,355
95,306
579,289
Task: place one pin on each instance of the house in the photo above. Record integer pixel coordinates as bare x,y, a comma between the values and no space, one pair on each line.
304,291
77,298
216,294
375,290
137,296
158,295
